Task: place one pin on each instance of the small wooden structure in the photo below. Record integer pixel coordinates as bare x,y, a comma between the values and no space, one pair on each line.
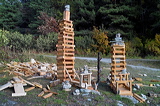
119,79
65,48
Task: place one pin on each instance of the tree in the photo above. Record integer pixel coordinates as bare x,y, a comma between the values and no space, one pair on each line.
10,14
118,17
85,14
50,24
101,42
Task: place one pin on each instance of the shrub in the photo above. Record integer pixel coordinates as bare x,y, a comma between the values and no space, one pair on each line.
134,47
19,41
152,47
47,42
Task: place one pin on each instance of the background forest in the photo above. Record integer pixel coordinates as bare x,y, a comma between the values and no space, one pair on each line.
32,25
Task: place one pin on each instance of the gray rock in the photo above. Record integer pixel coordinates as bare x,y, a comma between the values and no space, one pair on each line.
66,85
89,99
134,89
76,92
137,86
144,96
86,94
85,90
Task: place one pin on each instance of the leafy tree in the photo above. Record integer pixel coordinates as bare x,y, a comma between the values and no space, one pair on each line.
10,14
50,24
101,40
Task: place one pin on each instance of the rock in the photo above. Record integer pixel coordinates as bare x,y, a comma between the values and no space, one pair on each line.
119,103
144,96
89,100
145,75
86,94
134,89
33,61
85,90
66,85
158,85
148,101
137,86
76,92
95,92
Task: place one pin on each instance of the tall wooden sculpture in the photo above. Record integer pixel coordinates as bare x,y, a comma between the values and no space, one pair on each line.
119,81
65,47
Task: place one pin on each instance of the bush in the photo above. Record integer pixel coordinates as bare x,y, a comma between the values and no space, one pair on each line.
134,47
152,47
20,42
47,42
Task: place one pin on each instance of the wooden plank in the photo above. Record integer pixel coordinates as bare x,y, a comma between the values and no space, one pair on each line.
29,89
37,84
47,95
5,86
45,90
19,90
41,94
26,81
16,79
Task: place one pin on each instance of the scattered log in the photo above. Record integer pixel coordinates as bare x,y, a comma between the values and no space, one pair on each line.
28,89
26,81
48,87
155,80
35,77
47,95
37,84
45,90
54,83
41,94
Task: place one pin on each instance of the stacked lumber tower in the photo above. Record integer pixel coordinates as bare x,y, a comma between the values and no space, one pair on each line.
65,48
119,79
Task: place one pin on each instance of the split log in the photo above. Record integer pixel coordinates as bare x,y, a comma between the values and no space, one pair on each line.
26,81
41,94
37,84
28,89
47,95
35,77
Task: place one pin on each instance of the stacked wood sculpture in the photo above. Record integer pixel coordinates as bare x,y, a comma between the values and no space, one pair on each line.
119,81
65,48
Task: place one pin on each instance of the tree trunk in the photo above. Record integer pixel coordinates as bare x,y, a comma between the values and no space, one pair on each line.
98,68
